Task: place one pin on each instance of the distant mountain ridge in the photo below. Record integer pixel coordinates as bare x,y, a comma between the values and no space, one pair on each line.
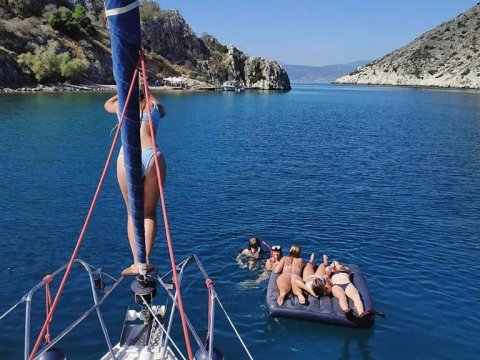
327,73
446,56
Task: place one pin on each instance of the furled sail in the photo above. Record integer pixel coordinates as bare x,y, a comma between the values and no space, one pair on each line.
125,36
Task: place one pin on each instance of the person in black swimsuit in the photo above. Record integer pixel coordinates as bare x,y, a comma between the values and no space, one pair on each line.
343,288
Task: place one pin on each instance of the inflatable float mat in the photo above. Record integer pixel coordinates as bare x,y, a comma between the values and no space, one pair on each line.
326,309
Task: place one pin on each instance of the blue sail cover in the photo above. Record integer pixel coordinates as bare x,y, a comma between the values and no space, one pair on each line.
125,36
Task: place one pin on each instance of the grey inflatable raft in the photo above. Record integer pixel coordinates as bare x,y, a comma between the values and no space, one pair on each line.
326,309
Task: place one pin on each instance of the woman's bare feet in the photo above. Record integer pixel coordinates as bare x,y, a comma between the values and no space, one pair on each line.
281,299
312,258
325,260
301,299
132,270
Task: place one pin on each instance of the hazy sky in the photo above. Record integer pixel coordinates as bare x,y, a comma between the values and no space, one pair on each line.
317,32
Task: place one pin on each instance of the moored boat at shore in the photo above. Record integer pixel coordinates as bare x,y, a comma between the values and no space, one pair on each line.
229,86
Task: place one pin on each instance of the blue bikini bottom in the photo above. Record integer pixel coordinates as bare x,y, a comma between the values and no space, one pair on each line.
147,156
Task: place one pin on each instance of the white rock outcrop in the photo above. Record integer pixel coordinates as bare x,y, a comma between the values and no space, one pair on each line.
447,56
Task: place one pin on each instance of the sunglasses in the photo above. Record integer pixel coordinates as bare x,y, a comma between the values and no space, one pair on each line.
276,248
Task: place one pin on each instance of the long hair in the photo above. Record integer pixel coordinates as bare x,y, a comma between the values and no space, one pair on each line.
142,99
318,287
295,251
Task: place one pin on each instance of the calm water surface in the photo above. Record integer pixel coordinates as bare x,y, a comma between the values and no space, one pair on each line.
385,178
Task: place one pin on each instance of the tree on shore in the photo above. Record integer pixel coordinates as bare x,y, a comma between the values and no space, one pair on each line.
49,66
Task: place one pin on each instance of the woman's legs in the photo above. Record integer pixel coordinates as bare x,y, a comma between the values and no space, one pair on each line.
284,286
151,194
352,292
150,197
298,285
297,290
339,293
308,270
122,182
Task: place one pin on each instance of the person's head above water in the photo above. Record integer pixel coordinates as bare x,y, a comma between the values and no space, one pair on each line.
254,241
254,244
277,252
295,251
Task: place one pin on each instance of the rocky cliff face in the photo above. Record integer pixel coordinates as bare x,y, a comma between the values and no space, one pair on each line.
205,59
171,46
447,56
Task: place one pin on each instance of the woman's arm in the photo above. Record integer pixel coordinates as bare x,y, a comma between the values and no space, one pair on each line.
328,286
278,269
242,253
270,264
111,105
161,108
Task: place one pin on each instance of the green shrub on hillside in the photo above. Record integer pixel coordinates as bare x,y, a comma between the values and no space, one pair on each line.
256,78
48,66
79,15
71,23
148,10
62,20
221,48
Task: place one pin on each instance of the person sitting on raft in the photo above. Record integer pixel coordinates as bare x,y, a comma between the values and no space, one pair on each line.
290,269
254,250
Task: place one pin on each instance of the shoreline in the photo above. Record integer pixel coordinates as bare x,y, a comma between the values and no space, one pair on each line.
89,88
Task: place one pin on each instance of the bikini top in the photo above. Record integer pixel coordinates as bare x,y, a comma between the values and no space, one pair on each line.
144,117
155,115
338,272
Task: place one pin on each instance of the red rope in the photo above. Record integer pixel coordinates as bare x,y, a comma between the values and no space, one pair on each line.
85,225
165,217
48,303
209,285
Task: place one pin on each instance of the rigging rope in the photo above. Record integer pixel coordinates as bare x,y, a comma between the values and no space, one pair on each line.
85,225
48,304
164,211
52,306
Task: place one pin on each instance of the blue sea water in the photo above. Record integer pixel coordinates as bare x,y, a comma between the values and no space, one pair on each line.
387,178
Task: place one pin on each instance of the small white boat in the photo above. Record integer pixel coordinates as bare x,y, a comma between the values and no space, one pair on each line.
229,86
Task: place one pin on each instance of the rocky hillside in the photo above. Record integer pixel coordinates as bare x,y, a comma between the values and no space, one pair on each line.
447,56
38,32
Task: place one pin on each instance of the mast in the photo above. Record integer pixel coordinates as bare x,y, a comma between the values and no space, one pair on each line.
125,37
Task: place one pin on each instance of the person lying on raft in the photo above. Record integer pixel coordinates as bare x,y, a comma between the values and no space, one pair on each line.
290,269
254,250
316,280
338,277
